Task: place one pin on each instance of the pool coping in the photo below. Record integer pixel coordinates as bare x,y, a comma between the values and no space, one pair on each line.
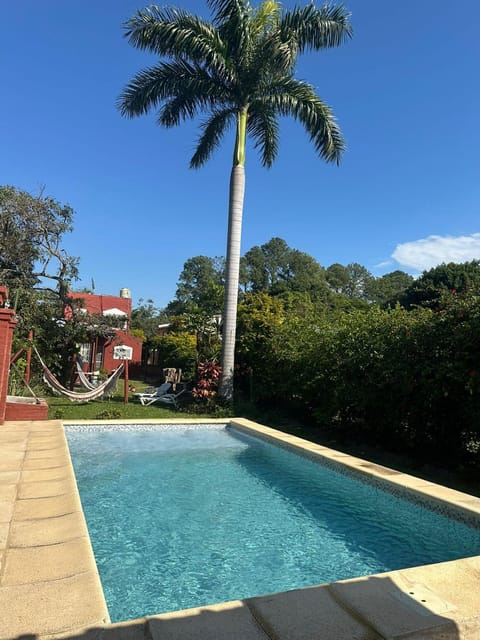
50,587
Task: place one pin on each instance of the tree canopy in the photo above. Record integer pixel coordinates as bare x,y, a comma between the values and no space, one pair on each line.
447,277
31,234
274,267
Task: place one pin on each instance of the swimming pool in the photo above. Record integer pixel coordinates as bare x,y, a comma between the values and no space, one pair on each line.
181,517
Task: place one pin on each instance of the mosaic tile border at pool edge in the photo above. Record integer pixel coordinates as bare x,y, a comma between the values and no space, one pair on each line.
135,426
451,503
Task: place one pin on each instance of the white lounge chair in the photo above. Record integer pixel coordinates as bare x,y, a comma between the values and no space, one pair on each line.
149,397
171,398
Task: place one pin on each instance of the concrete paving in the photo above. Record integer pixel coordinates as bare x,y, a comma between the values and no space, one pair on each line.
50,588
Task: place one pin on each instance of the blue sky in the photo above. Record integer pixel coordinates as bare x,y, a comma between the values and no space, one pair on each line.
405,91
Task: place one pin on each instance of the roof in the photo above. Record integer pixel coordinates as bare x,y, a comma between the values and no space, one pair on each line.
103,304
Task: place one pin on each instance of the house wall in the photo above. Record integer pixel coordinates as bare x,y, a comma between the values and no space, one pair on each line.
122,338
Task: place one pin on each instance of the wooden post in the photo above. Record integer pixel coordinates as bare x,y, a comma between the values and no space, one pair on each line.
125,387
29,359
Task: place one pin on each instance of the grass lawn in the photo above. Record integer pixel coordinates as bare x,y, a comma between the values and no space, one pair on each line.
114,407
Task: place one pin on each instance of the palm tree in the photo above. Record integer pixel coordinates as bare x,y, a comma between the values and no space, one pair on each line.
239,71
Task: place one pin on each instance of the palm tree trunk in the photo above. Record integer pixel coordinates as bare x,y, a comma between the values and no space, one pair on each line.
235,213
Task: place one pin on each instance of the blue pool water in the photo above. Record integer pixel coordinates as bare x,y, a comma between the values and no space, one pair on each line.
181,517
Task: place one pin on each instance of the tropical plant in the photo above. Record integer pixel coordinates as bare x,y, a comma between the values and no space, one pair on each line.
206,388
239,69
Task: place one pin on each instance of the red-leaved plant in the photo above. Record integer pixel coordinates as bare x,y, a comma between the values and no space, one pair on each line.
208,377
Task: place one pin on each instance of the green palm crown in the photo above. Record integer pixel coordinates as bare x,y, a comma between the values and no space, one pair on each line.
238,70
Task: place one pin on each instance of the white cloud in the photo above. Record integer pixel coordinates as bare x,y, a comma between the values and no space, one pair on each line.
385,263
429,252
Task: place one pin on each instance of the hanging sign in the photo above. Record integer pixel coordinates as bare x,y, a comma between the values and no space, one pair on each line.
122,352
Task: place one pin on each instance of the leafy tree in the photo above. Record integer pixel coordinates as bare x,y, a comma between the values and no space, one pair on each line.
352,281
39,272
275,268
238,69
146,318
31,232
337,277
200,286
433,284
177,350
359,279
258,316
388,288
303,273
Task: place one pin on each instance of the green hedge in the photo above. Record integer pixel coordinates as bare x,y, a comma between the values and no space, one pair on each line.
406,379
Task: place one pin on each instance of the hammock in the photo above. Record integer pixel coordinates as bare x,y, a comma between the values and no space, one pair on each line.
84,381
105,387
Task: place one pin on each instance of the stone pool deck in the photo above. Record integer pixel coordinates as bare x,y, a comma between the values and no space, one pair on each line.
50,588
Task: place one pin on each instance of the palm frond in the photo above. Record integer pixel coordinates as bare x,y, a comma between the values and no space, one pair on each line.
212,132
263,126
145,91
176,33
149,88
230,10
233,21
290,97
317,28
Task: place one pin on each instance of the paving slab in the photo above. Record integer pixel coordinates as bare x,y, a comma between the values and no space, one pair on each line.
9,477
45,489
51,562
12,436
227,621
131,630
4,529
51,607
12,461
43,454
46,443
304,614
33,533
8,492
6,510
46,475
46,463
405,605
36,508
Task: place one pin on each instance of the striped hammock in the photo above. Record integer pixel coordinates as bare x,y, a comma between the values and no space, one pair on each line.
74,396
84,381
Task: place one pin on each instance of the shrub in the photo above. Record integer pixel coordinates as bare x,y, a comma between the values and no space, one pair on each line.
206,388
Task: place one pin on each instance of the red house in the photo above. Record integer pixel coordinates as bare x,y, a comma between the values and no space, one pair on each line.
98,354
